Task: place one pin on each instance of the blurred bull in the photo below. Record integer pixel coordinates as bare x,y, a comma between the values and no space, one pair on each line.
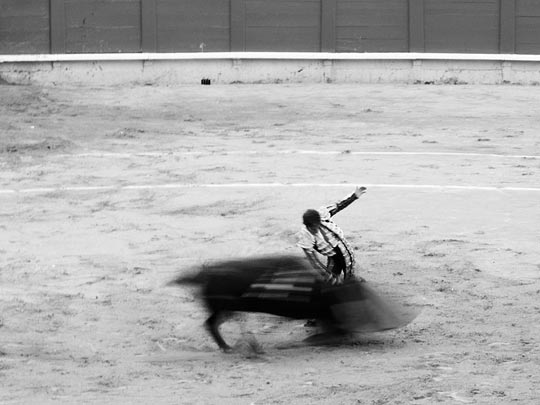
288,286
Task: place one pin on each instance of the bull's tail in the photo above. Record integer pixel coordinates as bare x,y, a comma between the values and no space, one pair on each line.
186,279
192,276
196,275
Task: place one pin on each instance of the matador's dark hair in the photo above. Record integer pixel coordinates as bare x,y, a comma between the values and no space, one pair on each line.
311,217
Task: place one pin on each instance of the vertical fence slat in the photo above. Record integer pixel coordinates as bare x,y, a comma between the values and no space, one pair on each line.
328,25
148,26
238,25
507,40
57,26
416,26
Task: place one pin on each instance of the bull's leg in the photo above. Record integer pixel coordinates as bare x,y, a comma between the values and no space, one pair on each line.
212,325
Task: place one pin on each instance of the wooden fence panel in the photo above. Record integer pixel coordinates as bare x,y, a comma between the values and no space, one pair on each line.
507,30
468,26
193,25
98,26
24,26
372,26
528,26
102,26
283,25
416,26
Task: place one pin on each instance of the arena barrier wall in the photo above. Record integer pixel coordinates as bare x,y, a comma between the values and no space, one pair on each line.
268,67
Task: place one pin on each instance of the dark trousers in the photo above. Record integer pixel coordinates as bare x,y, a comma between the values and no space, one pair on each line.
336,264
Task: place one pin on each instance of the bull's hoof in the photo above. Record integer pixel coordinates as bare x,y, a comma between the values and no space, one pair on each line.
226,349
248,346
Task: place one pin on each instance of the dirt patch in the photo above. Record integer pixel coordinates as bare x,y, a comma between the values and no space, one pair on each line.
47,145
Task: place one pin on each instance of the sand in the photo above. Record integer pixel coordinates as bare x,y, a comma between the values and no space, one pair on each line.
106,194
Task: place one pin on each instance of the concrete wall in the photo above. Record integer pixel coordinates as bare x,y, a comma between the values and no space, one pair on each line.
226,68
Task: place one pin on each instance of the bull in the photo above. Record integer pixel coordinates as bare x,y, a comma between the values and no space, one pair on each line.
287,286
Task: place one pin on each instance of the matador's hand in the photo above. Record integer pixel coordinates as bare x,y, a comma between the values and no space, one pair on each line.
359,191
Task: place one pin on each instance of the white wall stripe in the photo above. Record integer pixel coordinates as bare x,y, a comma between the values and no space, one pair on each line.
44,190
144,56
290,152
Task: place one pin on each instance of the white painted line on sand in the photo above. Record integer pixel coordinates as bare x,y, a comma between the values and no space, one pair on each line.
289,152
44,190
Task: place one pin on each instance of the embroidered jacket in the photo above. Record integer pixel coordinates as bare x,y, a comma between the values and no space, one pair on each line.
329,235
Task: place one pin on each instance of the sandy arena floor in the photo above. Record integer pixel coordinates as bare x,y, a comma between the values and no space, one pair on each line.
107,193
